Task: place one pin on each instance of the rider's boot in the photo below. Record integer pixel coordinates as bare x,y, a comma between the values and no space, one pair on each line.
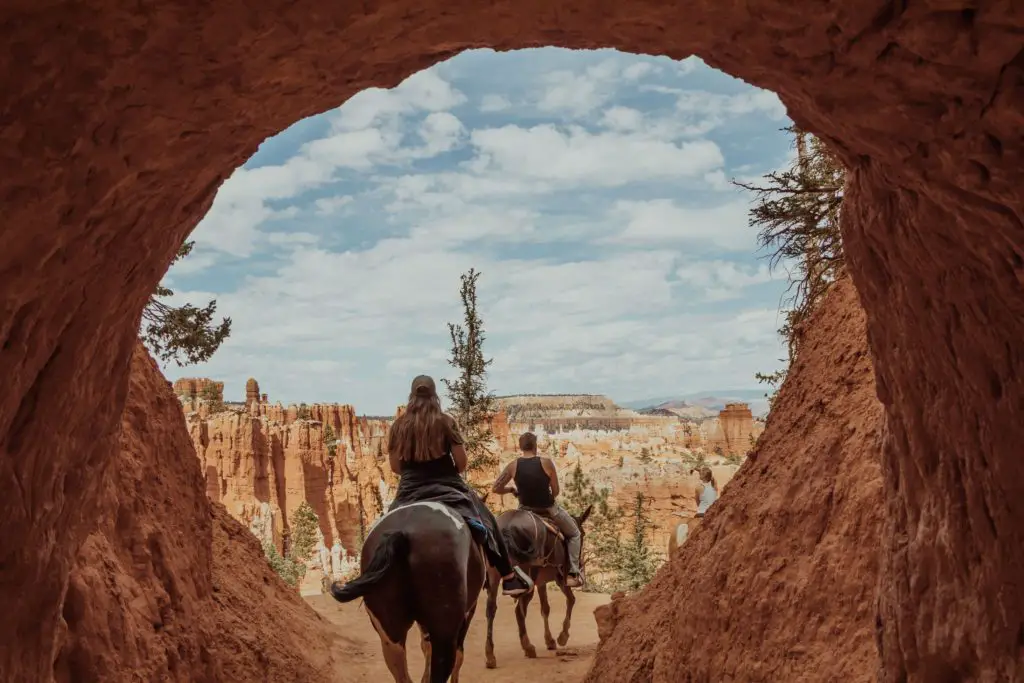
517,583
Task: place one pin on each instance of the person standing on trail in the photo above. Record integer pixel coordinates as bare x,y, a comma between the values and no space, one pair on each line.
536,486
426,450
706,492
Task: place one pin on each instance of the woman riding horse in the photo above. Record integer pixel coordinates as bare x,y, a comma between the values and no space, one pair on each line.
426,450
423,561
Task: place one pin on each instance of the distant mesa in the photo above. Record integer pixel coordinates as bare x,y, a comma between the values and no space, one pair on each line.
192,388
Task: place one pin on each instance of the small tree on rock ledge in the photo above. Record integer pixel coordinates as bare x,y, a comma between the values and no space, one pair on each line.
797,214
184,334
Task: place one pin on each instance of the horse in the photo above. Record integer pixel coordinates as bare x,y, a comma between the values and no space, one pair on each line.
420,563
536,546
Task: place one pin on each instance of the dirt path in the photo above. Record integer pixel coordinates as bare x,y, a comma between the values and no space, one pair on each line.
565,665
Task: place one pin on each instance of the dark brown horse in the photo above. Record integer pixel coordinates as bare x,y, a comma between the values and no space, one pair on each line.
536,546
420,564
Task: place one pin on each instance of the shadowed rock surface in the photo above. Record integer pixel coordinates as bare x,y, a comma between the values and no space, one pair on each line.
121,119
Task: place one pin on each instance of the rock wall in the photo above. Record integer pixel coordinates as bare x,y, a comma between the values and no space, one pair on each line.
147,111
733,432
263,464
167,589
778,583
192,388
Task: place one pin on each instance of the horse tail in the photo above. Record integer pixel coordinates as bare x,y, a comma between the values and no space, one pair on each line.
393,548
520,546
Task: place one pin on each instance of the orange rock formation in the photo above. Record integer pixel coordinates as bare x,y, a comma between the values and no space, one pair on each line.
261,464
252,392
192,388
734,431
121,132
167,587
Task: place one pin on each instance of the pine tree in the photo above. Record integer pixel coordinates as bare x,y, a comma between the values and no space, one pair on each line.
303,412
184,334
797,213
472,405
330,441
304,532
212,396
289,570
645,455
636,564
600,547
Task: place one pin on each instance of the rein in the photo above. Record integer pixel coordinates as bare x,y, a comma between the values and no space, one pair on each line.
545,561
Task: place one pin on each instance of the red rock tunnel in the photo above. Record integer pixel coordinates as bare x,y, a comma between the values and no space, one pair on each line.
121,119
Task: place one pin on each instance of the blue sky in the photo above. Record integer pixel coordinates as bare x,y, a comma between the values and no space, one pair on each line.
591,189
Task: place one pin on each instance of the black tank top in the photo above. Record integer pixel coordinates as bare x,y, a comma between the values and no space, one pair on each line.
533,484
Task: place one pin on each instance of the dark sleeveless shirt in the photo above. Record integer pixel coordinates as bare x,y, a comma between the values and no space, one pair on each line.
533,483
440,469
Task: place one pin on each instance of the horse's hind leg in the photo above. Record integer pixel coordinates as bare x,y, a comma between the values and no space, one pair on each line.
570,602
394,650
461,642
442,660
425,647
492,609
545,610
522,604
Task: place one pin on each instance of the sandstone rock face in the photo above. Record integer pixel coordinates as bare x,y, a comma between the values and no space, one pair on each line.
252,392
262,464
146,112
192,388
778,582
166,589
734,432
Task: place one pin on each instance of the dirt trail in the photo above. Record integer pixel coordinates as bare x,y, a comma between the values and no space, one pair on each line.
566,665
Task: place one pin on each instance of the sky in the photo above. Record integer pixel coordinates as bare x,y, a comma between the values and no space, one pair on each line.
591,189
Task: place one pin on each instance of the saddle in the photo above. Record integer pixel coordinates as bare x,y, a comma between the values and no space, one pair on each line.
551,527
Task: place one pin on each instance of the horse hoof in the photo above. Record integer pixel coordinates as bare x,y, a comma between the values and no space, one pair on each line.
531,652
492,664
551,645
563,639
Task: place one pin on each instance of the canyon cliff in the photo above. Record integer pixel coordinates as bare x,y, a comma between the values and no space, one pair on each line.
779,582
169,587
264,461
129,119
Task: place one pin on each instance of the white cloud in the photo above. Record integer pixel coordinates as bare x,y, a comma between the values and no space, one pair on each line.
751,101
423,91
332,205
720,280
578,93
662,221
638,70
366,131
292,238
622,118
646,297
576,156
493,103
441,132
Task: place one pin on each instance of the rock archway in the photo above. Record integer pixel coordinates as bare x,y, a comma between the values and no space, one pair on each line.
120,119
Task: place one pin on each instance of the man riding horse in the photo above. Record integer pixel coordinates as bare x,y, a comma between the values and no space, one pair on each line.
536,485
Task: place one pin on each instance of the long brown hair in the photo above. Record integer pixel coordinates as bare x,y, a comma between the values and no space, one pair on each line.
420,434
708,476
